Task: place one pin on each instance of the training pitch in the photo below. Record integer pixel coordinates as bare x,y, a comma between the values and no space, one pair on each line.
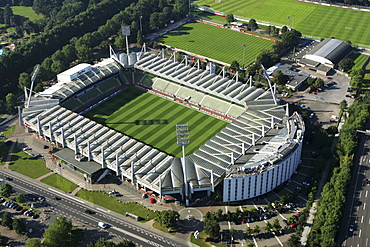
152,120
310,19
217,43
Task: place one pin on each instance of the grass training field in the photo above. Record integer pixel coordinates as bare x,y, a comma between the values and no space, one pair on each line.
26,12
215,42
360,61
152,120
310,19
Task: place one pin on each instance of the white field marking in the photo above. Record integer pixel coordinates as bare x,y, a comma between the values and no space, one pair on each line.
362,219
366,194
364,206
71,197
359,234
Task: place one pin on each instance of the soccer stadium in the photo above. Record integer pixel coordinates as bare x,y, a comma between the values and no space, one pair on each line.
97,119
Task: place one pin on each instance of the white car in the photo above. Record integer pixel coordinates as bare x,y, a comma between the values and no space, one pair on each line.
102,225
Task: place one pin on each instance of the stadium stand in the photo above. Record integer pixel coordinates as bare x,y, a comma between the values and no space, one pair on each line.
256,113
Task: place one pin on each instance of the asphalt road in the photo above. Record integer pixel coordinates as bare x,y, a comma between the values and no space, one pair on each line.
73,208
358,202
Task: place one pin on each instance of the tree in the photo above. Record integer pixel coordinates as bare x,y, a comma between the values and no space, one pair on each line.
346,64
253,24
101,242
59,233
7,220
5,190
279,78
181,8
8,14
276,224
84,53
24,81
284,29
19,225
249,231
234,66
154,21
294,241
232,232
229,18
343,105
126,243
139,38
257,229
33,242
212,228
268,227
167,218
219,213
20,198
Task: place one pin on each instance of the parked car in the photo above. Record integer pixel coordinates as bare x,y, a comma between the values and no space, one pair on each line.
293,225
56,198
351,228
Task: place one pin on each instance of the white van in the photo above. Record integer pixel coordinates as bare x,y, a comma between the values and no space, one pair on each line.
102,225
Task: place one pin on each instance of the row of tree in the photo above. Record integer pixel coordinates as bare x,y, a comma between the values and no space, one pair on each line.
35,50
61,233
331,205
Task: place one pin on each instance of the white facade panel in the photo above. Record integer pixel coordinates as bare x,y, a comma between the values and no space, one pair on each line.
249,186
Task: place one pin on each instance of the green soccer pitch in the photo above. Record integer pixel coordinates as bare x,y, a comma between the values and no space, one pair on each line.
310,19
152,120
217,43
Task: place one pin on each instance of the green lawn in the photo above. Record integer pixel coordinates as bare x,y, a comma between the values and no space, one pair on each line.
311,19
103,199
59,182
123,110
214,42
26,12
9,131
27,165
360,61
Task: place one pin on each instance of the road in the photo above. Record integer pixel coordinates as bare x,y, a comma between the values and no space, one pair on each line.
358,203
73,208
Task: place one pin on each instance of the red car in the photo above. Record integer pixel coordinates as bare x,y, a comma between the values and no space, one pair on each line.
313,92
293,225
329,77
244,221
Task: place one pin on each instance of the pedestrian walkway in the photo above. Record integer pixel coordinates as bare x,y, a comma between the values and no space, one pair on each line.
44,176
73,193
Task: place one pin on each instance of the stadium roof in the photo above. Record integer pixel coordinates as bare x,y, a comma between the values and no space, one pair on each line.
98,72
329,51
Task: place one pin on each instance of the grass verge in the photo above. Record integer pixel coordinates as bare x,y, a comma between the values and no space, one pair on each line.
59,182
9,131
32,167
158,226
102,199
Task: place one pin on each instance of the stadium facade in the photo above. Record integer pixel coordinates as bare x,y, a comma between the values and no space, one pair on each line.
257,151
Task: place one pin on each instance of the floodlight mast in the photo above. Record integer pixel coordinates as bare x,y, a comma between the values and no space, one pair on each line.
33,78
182,135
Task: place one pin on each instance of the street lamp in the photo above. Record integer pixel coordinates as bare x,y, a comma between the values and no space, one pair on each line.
288,20
244,45
141,26
182,136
